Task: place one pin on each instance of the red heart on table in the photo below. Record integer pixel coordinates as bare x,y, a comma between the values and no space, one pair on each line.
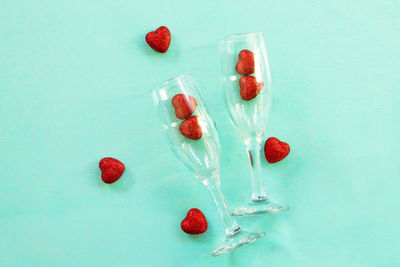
275,150
195,222
190,128
249,87
184,105
245,64
111,169
159,39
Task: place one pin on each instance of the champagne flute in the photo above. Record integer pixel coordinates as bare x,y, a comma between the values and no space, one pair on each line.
194,140
246,79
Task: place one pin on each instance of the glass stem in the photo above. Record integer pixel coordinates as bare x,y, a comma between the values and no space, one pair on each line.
213,185
253,147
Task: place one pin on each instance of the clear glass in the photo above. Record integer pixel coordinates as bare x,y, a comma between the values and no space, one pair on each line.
200,156
249,117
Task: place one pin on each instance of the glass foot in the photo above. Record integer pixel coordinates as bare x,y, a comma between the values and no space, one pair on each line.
239,239
259,207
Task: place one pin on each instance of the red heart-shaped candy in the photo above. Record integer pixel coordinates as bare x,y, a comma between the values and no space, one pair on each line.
249,87
111,169
159,39
195,222
184,105
245,64
275,150
190,128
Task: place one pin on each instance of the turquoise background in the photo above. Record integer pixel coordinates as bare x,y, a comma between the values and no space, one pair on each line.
74,83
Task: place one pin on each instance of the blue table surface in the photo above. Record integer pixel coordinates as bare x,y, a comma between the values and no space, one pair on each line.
74,87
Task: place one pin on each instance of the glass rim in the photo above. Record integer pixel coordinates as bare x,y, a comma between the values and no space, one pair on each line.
177,77
165,82
235,37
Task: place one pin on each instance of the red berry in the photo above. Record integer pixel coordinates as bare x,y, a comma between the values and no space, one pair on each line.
245,64
275,150
111,170
159,39
249,88
195,222
184,105
190,128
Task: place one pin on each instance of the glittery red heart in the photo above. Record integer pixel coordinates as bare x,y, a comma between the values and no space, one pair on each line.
159,39
245,64
249,87
194,223
184,105
275,150
111,169
190,128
